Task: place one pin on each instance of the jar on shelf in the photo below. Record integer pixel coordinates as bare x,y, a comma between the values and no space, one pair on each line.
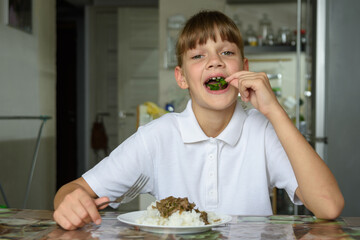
293,39
238,22
270,38
284,37
251,36
264,27
174,25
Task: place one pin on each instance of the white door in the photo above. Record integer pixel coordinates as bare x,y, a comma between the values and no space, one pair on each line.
138,67
138,64
103,74
123,72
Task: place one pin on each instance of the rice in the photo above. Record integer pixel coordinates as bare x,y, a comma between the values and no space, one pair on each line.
185,218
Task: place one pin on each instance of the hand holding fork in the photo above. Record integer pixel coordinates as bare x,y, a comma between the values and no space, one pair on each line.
130,194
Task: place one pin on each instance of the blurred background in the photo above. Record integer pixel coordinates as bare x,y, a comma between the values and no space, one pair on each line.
77,77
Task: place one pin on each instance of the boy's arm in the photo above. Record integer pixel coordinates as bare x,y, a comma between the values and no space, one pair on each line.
75,205
317,189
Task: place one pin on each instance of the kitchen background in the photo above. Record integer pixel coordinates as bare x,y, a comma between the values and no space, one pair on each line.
84,62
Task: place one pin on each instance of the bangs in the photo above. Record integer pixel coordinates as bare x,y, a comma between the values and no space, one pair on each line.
204,26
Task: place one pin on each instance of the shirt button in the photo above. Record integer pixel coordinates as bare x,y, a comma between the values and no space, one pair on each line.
211,156
212,140
211,174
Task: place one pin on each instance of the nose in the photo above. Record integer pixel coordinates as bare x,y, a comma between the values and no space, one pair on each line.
215,61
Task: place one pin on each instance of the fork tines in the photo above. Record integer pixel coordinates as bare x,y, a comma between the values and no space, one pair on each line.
135,189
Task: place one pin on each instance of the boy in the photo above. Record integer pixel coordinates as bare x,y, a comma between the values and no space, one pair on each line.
221,157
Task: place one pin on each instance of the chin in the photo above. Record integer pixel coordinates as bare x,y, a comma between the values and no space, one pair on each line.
223,104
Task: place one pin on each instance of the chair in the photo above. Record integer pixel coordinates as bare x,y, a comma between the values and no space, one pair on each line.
43,118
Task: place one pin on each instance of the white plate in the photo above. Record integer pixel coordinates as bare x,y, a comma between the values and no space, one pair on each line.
130,218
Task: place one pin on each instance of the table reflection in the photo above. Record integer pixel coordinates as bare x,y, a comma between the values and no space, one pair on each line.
38,224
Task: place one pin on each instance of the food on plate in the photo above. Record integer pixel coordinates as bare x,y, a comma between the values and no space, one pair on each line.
173,211
216,83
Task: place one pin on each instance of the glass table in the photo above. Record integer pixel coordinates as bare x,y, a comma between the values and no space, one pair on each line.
39,224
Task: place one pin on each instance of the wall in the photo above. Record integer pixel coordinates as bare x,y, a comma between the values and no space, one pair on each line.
28,83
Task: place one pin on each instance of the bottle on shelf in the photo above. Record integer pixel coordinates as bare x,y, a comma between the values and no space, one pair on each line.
303,39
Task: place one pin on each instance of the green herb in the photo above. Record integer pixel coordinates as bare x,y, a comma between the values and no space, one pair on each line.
219,84
214,86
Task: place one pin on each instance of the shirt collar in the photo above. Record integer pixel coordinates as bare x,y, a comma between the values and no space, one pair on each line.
189,127
191,131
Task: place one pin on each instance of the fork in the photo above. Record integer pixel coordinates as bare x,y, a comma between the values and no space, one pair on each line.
130,194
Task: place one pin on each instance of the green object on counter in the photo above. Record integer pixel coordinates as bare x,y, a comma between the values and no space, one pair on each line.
277,91
3,206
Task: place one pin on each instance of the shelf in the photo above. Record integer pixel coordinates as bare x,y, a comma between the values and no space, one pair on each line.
259,1
269,49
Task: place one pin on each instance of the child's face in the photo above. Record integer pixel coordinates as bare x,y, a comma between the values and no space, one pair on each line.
212,59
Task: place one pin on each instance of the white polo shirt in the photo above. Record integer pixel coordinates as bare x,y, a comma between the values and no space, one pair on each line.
232,173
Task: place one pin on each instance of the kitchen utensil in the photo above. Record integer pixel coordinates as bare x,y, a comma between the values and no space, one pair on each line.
132,193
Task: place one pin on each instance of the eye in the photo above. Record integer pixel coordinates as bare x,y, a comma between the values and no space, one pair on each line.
197,56
227,53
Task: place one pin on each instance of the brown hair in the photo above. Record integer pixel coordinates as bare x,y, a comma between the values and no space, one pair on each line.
203,26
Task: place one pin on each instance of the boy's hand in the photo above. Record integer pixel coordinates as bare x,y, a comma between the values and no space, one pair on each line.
255,87
77,209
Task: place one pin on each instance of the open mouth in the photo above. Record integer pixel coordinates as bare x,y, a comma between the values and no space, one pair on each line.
216,83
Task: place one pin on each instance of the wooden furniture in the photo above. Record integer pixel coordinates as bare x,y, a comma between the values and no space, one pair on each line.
38,224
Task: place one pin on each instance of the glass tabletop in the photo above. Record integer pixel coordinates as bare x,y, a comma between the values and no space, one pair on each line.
34,224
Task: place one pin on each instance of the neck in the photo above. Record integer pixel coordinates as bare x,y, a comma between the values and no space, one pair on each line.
213,122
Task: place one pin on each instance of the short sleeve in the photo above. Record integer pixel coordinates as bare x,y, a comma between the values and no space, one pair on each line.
113,175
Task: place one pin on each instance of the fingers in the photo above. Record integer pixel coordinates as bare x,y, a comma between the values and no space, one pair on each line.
240,74
246,75
234,78
83,213
245,86
89,209
255,87
100,201
249,83
67,221
77,209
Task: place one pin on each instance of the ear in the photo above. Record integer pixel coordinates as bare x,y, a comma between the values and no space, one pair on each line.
180,78
246,64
